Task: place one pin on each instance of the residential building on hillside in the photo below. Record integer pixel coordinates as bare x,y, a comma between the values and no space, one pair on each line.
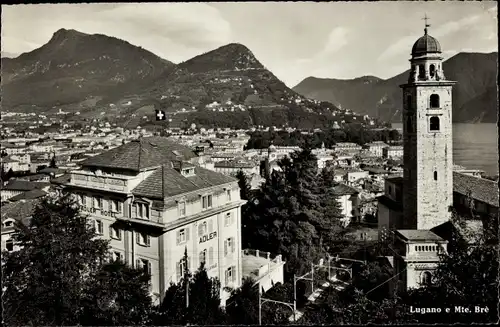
391,152
348,198
375,148
347,147
232,167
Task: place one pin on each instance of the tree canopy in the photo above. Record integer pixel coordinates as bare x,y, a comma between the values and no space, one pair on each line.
61,275
292,212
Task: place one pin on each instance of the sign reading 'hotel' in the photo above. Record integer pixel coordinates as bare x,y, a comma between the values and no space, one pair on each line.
208,237
100,211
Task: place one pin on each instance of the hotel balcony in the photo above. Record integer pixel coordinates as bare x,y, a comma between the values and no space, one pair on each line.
262,269
111,183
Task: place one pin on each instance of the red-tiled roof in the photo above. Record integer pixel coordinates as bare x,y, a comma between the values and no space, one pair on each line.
34,194
343,189
141,154
23,185
480,189
19,210
167,181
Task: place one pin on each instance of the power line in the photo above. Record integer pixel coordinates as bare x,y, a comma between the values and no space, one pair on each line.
387,281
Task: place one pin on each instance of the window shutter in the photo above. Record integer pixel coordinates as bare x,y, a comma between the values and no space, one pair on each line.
225,247
178,270
232,245
146,211
110,231
200,230
211,256
148,240
210,225
187,234
149,267
233,273
119,233
178,237
226,277
138,238
138,263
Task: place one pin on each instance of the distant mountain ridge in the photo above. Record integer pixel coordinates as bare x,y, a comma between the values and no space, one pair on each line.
102,76
474,96
74,66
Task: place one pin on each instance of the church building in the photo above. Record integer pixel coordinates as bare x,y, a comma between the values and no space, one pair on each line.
421,199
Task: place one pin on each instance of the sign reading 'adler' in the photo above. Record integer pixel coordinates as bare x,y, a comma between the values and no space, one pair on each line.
101,212
208,237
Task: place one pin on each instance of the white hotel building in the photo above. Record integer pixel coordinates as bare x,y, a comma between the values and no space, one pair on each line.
153,201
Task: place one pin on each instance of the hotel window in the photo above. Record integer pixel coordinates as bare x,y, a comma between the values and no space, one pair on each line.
182,236
143,239
181,268
207,201
9,245
144,264
228,246
230,275
142,210
203,256
435,175
228,195
81,199
228,219
99,227
211,256
98,202
115,233
182,208
116,206
202,229
117,256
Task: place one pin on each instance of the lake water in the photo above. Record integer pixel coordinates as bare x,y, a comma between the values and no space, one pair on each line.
475,146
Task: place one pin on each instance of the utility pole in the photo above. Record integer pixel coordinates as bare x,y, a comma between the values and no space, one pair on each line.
187,284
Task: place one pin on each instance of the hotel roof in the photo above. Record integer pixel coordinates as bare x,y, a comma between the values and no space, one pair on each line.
167,181
142,154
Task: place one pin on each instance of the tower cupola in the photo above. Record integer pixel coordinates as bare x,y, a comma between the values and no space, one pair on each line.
426,60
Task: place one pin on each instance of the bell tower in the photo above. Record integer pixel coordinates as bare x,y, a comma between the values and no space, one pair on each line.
427,137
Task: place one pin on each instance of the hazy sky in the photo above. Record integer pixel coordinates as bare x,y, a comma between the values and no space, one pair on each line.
293,40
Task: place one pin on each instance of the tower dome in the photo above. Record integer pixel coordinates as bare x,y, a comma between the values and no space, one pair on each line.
424,45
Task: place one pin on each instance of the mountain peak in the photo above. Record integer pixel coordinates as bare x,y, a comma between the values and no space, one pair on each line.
232,56
63,33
